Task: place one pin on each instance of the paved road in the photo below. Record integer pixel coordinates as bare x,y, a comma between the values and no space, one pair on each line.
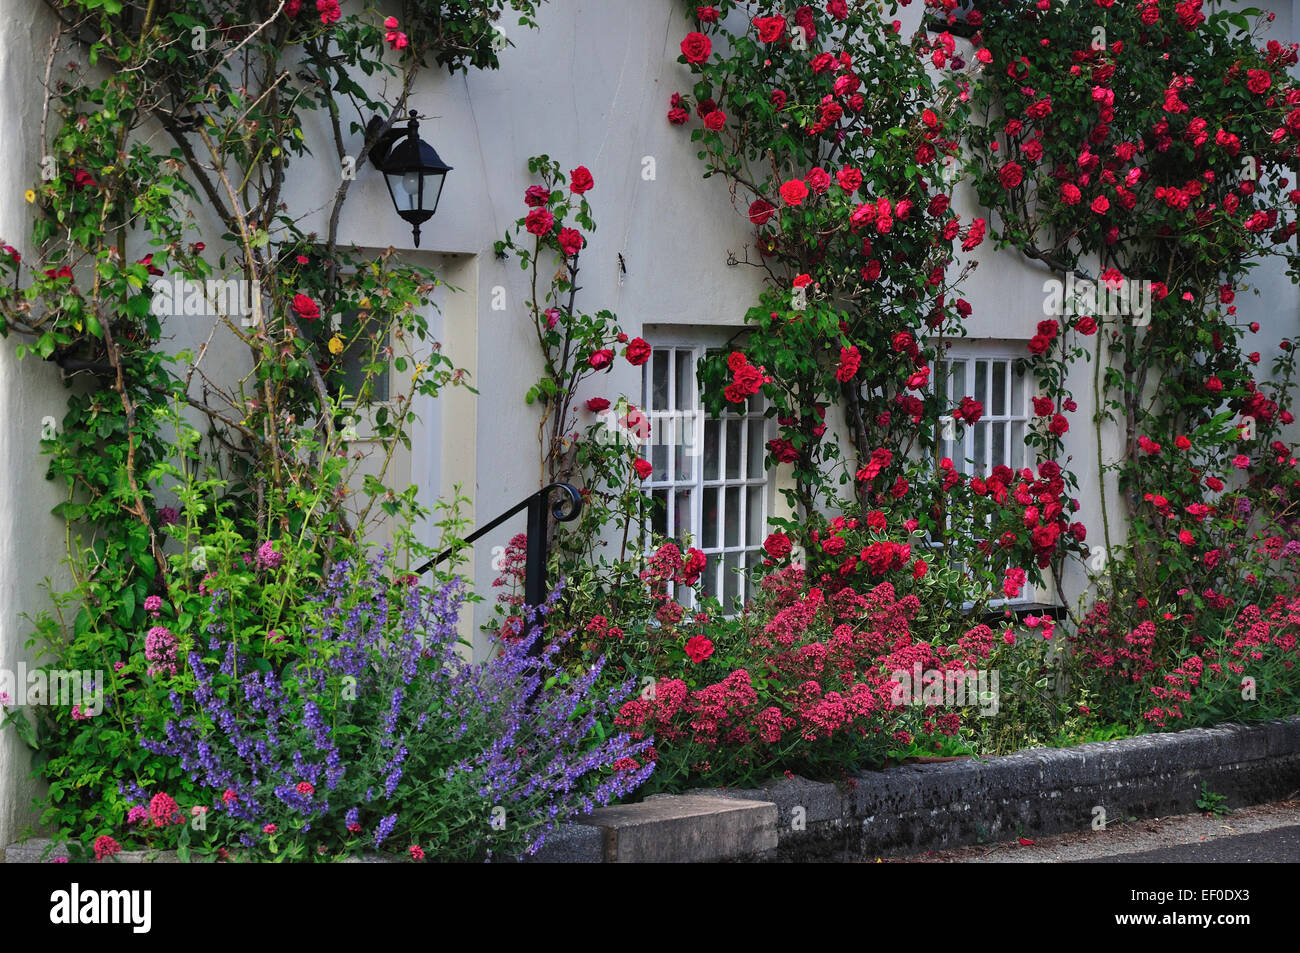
1264,833
1281,845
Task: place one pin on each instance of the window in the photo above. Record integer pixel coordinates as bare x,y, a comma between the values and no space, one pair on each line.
347,370
988,375
708,484
998,438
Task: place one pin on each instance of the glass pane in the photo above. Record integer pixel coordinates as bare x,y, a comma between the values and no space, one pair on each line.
731,582
659,513
734,430
659,376
681,433
731,517
712,434
753,558
753,515
1017,394
980,444
1018,449
756,403
980,392
999,405
659,457
709,518
683,524
709,580
999,443
685,368
756,449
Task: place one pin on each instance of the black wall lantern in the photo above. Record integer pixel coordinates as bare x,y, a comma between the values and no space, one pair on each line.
412,170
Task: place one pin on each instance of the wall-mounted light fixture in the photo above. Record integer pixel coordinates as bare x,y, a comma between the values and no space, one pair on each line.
412,170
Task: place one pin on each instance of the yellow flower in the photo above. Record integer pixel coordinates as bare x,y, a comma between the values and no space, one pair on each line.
364,303
336,345
30,195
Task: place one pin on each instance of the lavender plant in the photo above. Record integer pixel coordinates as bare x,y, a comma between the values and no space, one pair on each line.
378,734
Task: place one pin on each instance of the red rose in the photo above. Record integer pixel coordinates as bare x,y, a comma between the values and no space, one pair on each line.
777,546
678,116
696,47
692,566
850,361
760,211
706,14
1214,385
777,98
570,241
1258,80
1011,175
539,221
601,359
769,28
794,192
1043,406
839,9
715,120
597,405
580,180
698,648
1070,194
919,569
850,179
1086,325
642,467
1100,204
307,309
638,352
1182,443
818,180
1059,425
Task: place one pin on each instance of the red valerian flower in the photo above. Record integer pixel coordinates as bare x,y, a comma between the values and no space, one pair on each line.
1011,175
642,467
777,545
539,221
307,309
105,846
598,405
601,359
638,352
580,180
769,28
850,361
794,192
696,47
570,241
698,648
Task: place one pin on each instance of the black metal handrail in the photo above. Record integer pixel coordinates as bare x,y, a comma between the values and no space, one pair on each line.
563,510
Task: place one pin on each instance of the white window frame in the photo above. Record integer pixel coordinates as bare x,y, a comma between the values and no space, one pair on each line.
666,481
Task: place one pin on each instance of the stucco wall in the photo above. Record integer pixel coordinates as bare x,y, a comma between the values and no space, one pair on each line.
31,540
